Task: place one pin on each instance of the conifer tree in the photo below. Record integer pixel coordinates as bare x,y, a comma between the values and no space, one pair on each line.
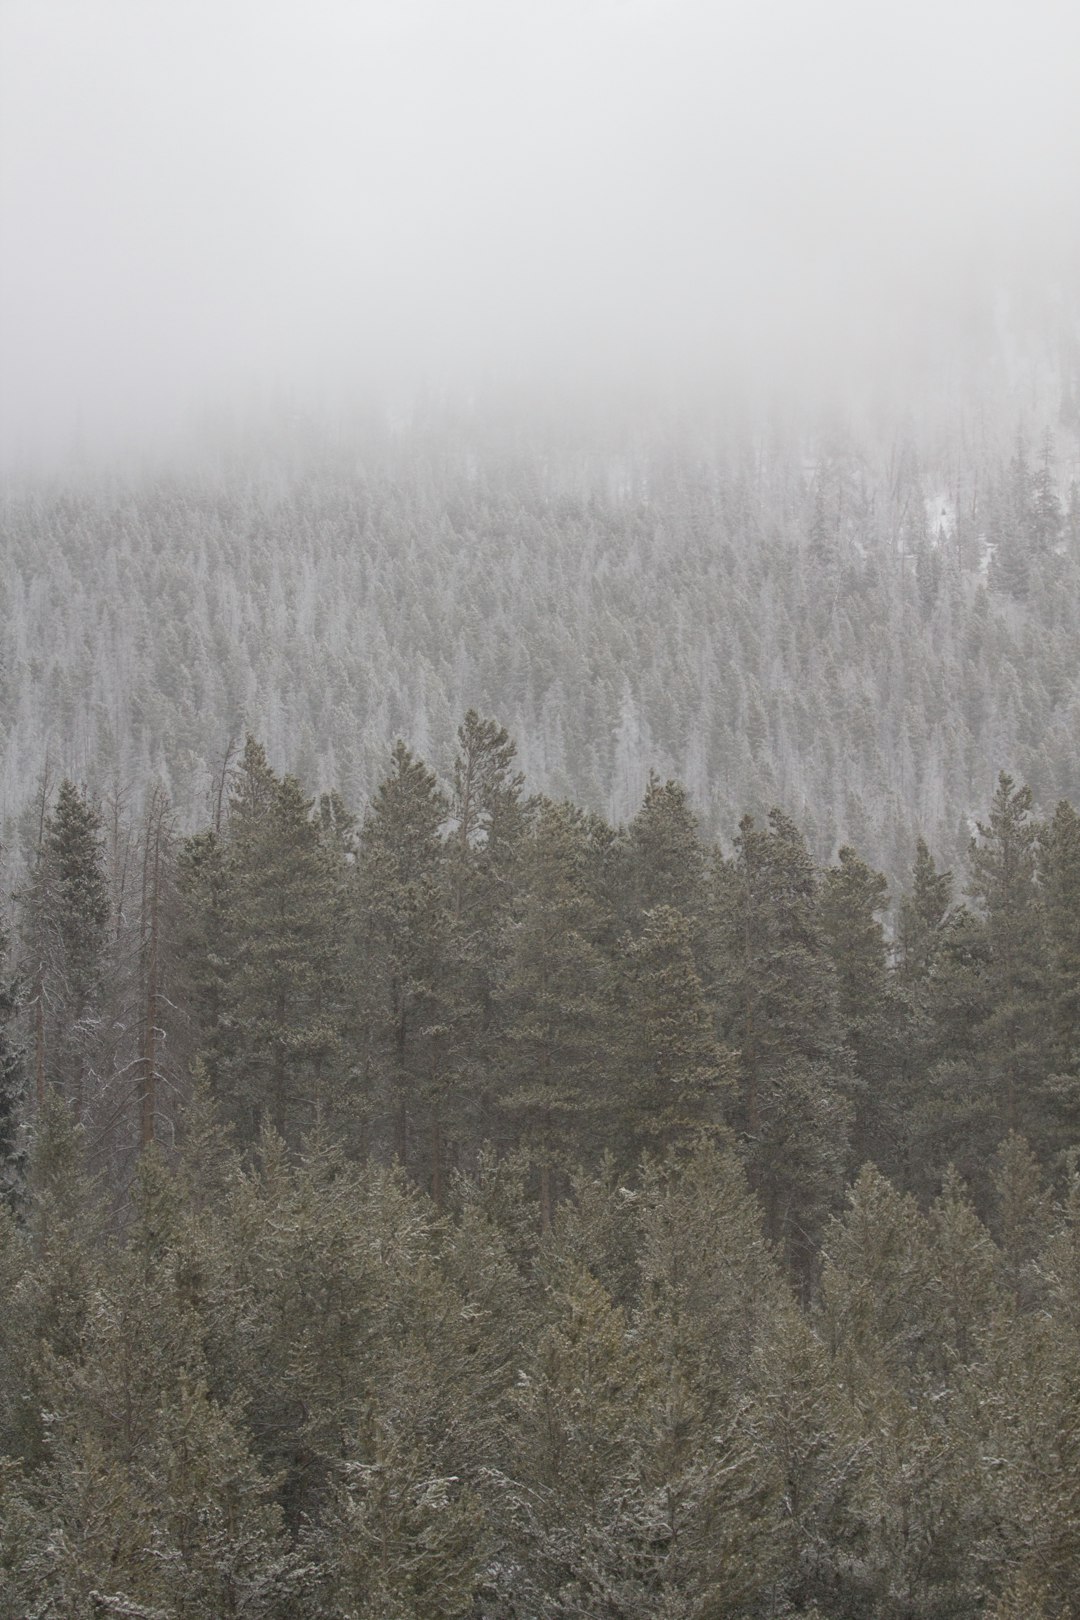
779,1012
556,1004
851,897
204,947
1059,885
666,862
1003,864
675,1074
487,828
401,924
923,910
65,915
283,982
12,1090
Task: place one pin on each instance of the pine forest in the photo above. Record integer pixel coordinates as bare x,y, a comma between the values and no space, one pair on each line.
475,1208
539,810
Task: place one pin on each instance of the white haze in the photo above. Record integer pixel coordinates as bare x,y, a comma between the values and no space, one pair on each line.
222,205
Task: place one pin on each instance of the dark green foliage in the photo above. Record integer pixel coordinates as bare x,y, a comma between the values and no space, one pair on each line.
1004,863
780,1011
556,1003
13,1088
675,1075
399,962
65,916
870,1011
1059,874
268,1371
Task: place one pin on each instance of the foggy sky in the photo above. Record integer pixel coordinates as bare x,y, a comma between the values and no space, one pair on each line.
227,203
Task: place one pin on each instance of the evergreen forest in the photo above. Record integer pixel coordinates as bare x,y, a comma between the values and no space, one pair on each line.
463,1203
860,622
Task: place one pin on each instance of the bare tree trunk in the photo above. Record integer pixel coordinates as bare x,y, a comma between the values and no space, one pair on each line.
219,795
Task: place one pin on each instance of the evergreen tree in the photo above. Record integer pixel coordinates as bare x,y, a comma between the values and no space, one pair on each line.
283,987
12,1091
488,826
779,1012
557,999
923,910
851,897
204,947
1003,864
675,1074
65,916
1059,874
666,862
401,928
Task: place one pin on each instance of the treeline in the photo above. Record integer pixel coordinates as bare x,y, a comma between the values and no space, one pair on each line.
478,1209
857,628
469,965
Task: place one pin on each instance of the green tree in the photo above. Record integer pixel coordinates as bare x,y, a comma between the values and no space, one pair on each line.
1003,865
851,896
666,863
284,983
12,1091
675,1074
557,999
779,1011
399,956
65,915
487,829
1059,885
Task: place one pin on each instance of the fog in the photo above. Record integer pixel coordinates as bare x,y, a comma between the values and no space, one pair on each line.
234,205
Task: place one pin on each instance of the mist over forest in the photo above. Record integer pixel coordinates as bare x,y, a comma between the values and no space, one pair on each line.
539,810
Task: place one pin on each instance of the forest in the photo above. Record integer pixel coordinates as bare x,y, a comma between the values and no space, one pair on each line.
861,621
473,1205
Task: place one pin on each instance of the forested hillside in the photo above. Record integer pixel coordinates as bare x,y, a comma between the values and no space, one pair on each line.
471,1208
862,627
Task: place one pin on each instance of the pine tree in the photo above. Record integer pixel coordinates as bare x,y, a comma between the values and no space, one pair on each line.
283,993
851,897
675,1074
779,1011
488,826
12,1091
556,1003
204,947
1003,864
65,914
399,954
923,910
1059,875
401,1539
666,862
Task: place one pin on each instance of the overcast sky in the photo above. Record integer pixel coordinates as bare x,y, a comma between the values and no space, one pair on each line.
205,202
